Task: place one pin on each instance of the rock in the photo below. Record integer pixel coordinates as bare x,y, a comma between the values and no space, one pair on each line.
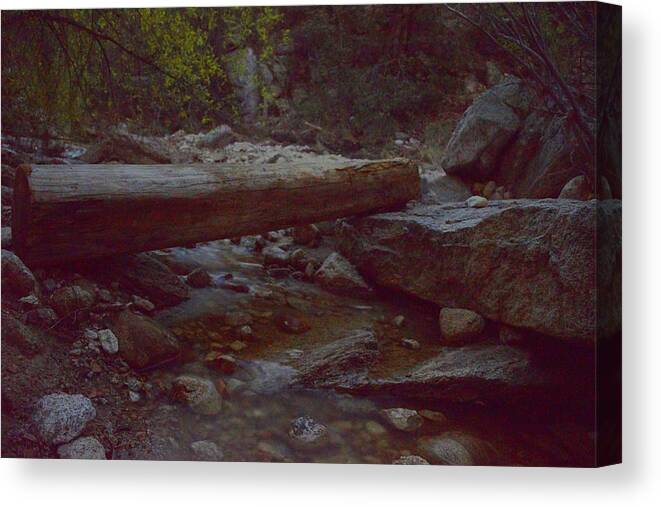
109,342
375,429
456,448
433,415
71,298
342,363
578,188
485,130
477,201
20,335
199,278
142,304
275,256
205,450
200,394
539,161
29,302
7,196
43,317
17,279
143,342
59,418
299,259
402,419
306,433
437,188
6,238
82,448
216,138
336,274
237,318
459,325
237,345
398,321
489,189
118,145
306,234
147,276
410,343
224,363
410,460
8,175
291,324
528,264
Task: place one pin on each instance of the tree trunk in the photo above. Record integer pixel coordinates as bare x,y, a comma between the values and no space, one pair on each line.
65,213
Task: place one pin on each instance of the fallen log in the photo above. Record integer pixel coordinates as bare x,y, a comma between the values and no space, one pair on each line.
65,213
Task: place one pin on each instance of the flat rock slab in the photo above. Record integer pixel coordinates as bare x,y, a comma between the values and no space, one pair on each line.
530,264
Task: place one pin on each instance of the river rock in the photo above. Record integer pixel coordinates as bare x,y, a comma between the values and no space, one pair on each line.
477,201
456,448
142,341
59,418
342,363
200,394
528,264
578,188
82,448
306,433
147,276
403,419
17,279
410,460
70,298
485,130
459,325
199,278
205,450
336,274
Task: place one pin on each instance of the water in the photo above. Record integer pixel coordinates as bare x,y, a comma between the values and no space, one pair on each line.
256,417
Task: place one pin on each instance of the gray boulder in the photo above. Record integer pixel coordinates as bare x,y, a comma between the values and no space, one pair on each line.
528,264
59,418
486,129
337,275
579,189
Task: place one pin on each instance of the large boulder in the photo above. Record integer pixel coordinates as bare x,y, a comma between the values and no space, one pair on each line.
146,275
486,128
143,342
337,275
528,264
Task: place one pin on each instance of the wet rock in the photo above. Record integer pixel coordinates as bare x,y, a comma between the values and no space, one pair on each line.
477,201
17,279
143,342
147,276
71,298
109,342
306,234
275,256
459,325
205,450
342,363
410,460
485,130
199,278
200,394
528,264
20,335
403,419
82,448
59,418
237,345
306,433
456,448
336,274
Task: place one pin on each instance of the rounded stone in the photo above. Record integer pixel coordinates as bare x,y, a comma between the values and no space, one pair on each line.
59,418
82,448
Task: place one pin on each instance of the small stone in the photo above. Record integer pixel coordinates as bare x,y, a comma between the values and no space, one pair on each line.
375,429
91,335
59,418
294,353
200,394
29,302
402,419
476,201
109,342
398,321
410,460
307,433
82,448
205,450
292,325
67,300
134,397
245,332
489,189
142,304
275,256
238,346
410,343
459,325
477,188
199,278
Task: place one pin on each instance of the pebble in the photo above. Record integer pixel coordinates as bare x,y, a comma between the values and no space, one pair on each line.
398,321
476,201
307,433
82,448
238,346
109,342
134,397
410,460
375,429
410,343
403,419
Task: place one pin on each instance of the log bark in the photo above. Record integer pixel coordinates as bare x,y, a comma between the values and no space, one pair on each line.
67,213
